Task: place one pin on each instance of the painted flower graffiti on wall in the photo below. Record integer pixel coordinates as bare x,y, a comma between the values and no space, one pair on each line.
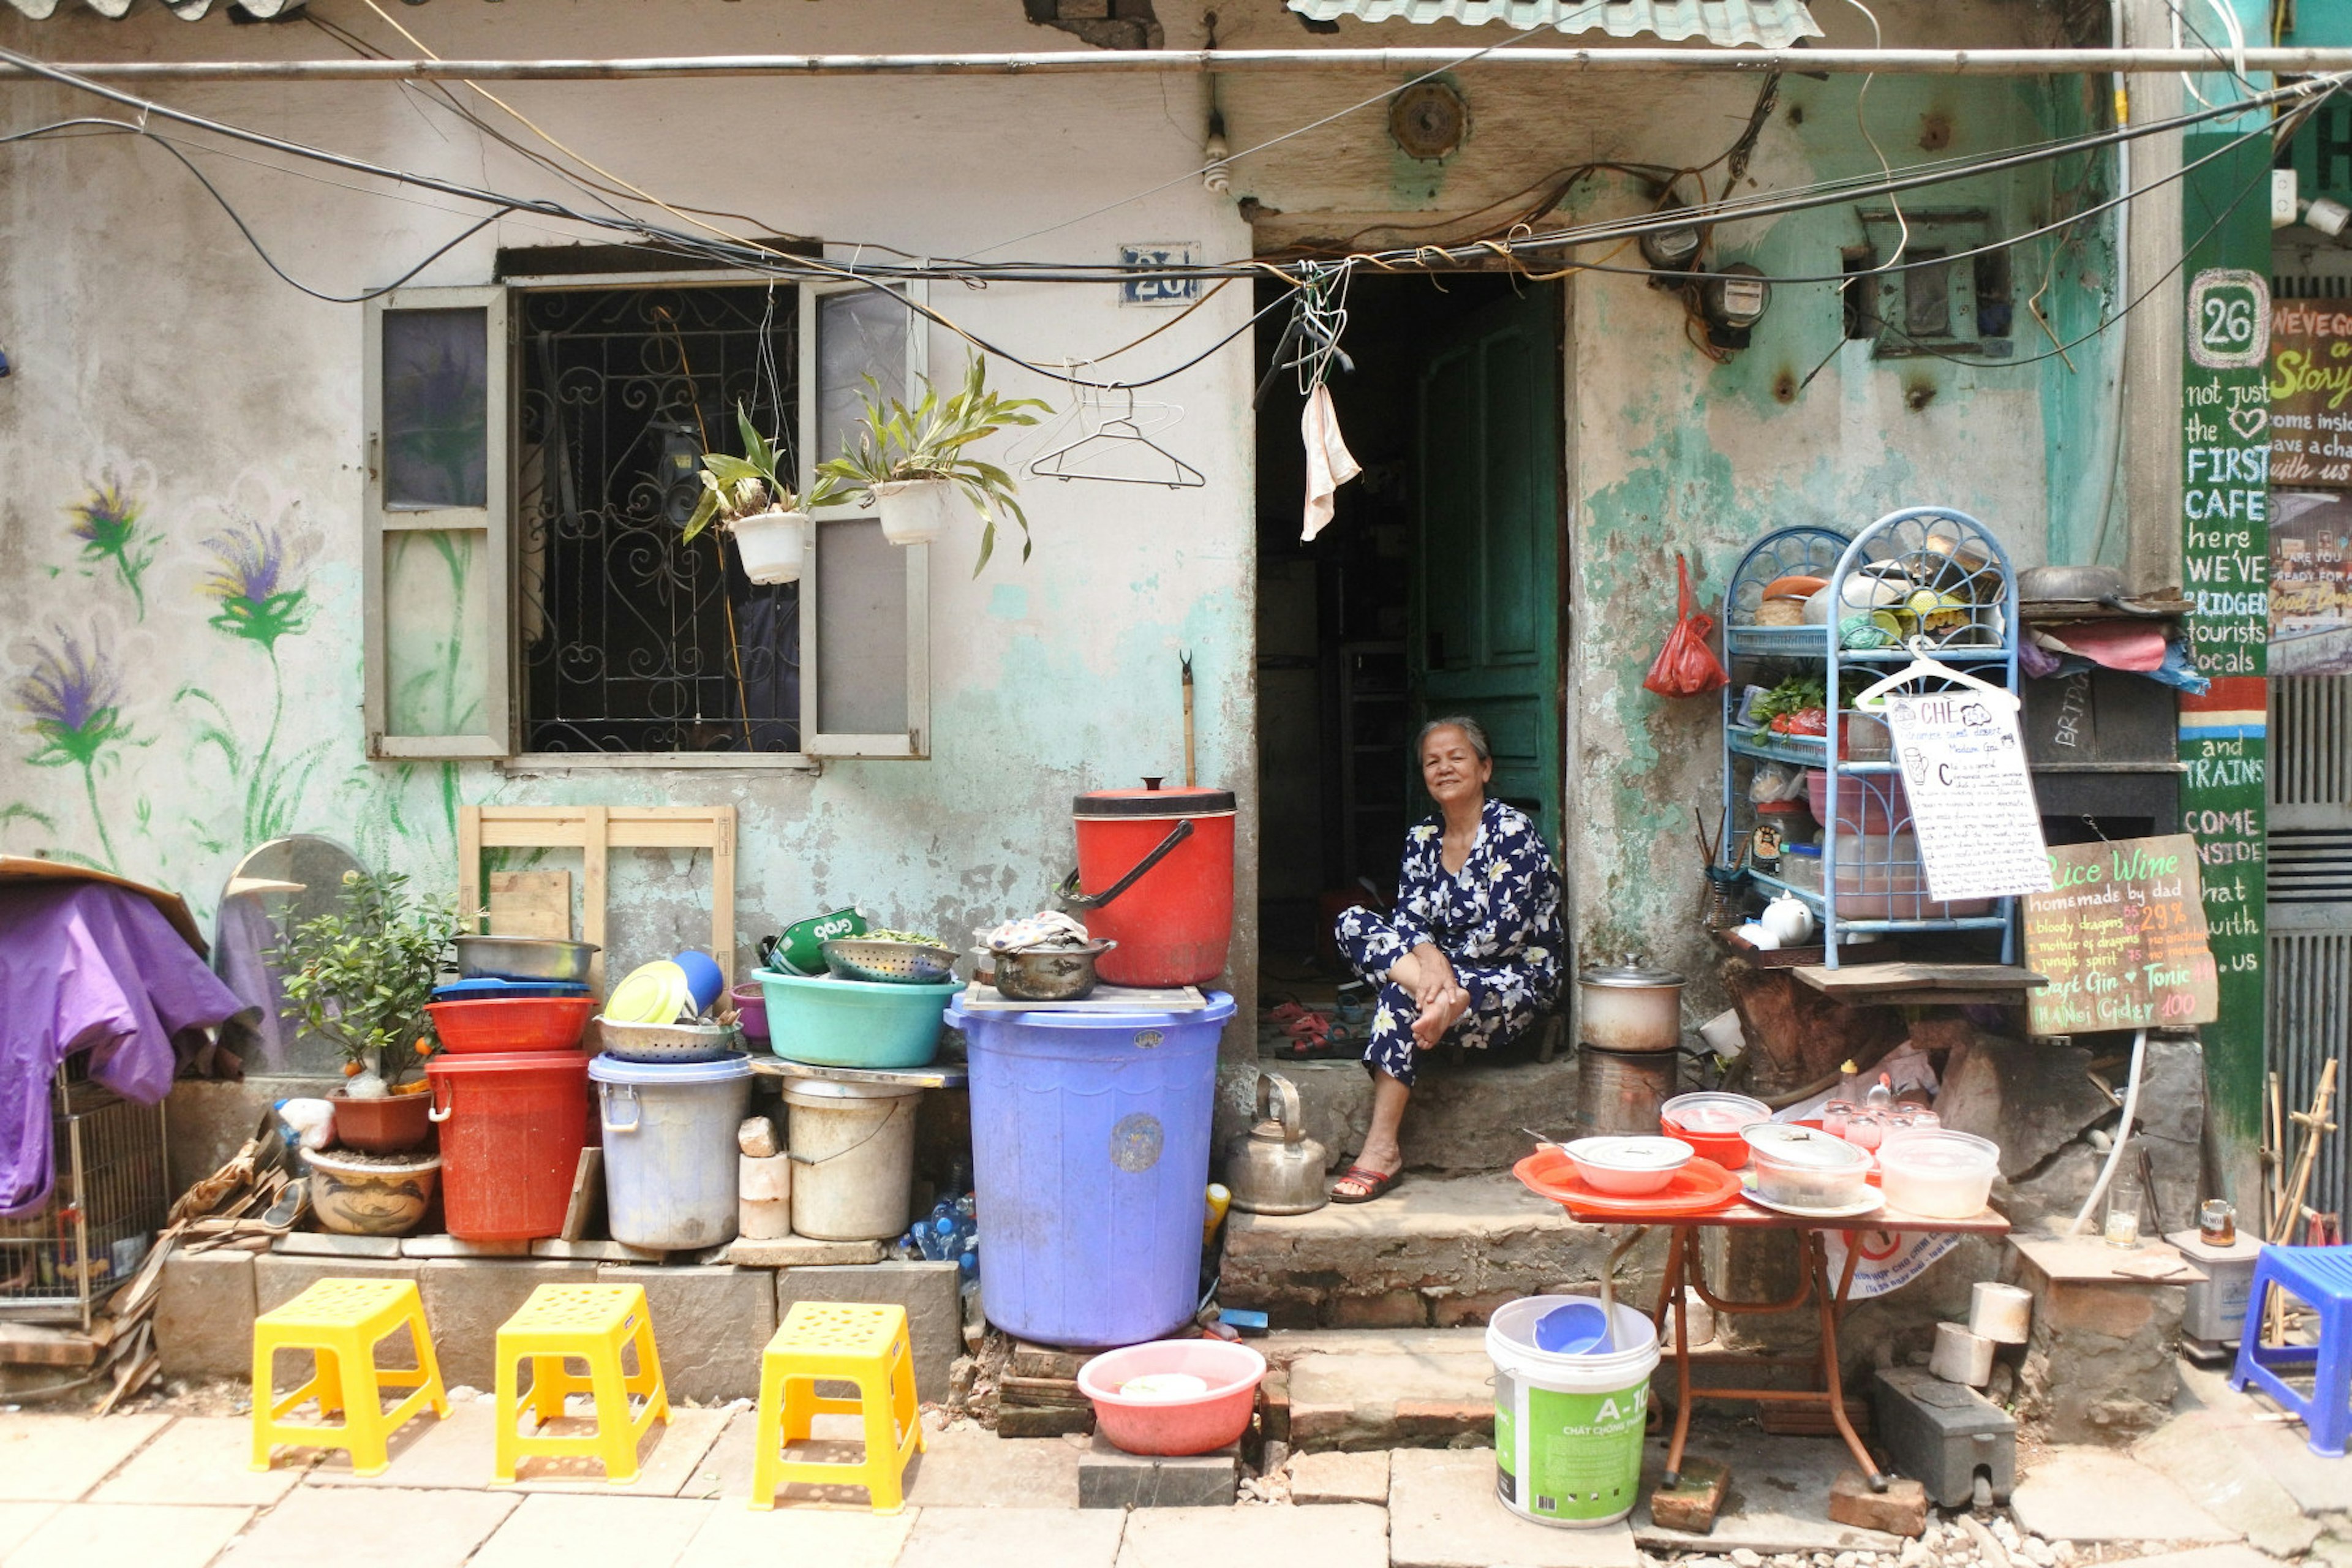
107,523
73,693
258,594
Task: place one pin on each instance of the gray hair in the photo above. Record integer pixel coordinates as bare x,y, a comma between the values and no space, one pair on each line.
1472,730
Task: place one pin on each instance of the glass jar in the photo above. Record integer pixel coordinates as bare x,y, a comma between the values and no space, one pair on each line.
2124,1200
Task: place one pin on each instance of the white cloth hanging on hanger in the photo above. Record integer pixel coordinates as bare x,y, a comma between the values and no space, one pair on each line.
1330,464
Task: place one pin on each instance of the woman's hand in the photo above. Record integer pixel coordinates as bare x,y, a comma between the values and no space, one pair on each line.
1432,975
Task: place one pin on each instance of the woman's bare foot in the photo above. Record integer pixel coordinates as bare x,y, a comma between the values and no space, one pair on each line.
1430,1026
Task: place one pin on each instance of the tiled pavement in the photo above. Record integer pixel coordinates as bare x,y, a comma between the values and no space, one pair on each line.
155,1491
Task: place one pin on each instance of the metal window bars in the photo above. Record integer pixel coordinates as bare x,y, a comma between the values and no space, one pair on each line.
1922,571
110,1195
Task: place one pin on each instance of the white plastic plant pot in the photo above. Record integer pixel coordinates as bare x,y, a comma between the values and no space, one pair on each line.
772,543
915,511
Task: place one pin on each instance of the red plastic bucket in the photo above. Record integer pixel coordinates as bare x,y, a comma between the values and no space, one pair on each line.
1155,870
512,1126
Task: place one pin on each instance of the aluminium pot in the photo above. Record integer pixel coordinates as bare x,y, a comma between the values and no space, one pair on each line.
1630,1006
1048,973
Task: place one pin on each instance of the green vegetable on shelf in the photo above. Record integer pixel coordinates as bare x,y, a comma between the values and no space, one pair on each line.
884,933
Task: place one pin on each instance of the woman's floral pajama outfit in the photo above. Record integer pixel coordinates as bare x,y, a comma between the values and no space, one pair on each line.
1496,920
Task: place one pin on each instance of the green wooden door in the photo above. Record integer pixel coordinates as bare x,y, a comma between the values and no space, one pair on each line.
1487,589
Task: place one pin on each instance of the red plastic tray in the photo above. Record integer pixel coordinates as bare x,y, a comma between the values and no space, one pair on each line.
1700,1187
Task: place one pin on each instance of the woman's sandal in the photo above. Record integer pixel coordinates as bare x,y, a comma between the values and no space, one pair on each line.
1374,1184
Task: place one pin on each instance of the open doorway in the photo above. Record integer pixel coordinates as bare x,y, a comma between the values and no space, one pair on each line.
1436,589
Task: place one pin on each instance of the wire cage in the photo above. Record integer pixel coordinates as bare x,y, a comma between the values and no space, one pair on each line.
110,1192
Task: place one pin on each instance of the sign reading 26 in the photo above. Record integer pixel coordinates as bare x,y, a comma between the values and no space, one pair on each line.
2229,319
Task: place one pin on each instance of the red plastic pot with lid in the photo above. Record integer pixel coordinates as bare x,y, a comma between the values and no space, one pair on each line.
1156,875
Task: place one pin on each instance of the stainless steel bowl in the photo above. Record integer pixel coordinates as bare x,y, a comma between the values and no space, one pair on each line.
669,1042
888,962
523,958
1049,973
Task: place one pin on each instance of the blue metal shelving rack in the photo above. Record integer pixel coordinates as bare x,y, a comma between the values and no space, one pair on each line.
1910,562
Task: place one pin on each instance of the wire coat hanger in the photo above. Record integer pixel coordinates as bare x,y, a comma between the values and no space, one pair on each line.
1115,436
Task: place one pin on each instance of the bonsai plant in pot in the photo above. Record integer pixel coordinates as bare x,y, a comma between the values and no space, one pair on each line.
913,464
360,977
756,504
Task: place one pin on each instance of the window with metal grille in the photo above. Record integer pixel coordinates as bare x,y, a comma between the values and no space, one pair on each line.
533,455
632,639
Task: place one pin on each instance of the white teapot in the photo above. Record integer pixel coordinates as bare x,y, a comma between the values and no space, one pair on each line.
1788,919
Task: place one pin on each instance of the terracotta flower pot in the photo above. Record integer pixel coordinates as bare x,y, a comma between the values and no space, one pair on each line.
391,1125
353,1197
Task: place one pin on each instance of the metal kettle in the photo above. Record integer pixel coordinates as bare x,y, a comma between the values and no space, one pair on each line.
1275,1168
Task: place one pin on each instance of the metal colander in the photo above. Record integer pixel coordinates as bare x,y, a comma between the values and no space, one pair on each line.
670,1042
889,963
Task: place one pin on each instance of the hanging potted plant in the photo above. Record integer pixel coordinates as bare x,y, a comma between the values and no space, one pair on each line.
360,977
757,505
911,461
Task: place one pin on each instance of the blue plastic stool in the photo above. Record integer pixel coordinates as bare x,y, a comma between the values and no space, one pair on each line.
2321,1277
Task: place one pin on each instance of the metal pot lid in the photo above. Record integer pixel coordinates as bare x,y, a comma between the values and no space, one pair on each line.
1634,974
1153,801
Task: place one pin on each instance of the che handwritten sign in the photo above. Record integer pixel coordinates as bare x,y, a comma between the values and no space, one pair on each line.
2311,394
1972,803
2121,934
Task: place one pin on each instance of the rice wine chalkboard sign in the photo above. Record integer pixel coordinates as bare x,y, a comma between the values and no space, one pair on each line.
2121,934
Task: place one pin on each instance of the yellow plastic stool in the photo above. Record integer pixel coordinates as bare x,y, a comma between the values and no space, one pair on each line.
592,1323
340,1322
839,1343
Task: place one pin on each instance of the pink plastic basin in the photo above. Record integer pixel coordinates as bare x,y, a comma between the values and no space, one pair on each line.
1182,1425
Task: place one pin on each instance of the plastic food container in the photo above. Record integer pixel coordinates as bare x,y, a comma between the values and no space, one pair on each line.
1866,802
1939,1174
1628,1167
1806,1167
520,1024
1144,1423
1711,1124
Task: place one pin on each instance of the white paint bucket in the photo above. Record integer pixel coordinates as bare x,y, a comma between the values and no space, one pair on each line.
2001,1313
853,1149
1568,1427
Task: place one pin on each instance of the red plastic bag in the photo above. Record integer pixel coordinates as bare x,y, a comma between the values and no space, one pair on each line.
1686,667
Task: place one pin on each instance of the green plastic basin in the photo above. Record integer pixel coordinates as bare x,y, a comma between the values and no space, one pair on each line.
852,1022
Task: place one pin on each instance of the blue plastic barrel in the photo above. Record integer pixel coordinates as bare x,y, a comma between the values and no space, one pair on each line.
1091,1159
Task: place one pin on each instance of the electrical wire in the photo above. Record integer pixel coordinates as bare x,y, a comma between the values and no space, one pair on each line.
1233,158
245,230
2259,182
763,260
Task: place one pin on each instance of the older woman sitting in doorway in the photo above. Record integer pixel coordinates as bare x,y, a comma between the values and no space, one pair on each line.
1472,953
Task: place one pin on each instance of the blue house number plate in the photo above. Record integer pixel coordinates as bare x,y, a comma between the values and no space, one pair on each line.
1149,254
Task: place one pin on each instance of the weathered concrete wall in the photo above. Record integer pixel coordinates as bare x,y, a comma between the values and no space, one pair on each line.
1673,453
153,354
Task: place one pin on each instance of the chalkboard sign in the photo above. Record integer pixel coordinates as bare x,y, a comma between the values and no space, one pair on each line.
2310,393
2121,934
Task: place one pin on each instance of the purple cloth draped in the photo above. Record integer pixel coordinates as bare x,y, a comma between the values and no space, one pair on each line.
85,966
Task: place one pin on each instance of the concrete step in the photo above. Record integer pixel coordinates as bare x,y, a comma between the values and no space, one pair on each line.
1363,1389
1463,1119
1437,1252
